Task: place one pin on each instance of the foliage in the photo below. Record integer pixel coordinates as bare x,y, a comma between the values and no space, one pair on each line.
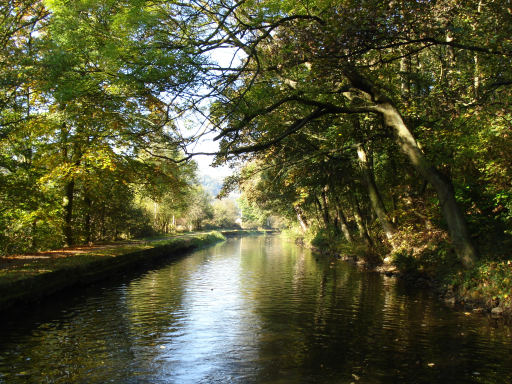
225,214
200,209
86,138
371,118
252,215
487,285
375,125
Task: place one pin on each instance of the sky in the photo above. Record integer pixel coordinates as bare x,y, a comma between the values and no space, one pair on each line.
208,145
225,57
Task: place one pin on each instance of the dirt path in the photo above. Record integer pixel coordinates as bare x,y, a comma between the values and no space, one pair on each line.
26,261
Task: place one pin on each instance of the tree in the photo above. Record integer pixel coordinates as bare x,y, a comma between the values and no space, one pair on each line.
353,111
252,216
351,58
200,209
225,213
85,109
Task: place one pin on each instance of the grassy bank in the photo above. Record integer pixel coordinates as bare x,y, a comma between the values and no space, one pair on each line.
488,286
25,278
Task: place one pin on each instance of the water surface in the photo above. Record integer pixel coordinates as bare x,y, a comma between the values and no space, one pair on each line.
252,310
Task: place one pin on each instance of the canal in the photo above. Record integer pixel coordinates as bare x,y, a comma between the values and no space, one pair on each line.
252,310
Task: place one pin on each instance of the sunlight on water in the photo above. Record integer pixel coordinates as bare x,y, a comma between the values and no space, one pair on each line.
252,310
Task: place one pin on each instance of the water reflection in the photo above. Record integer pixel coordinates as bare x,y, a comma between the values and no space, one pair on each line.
253,310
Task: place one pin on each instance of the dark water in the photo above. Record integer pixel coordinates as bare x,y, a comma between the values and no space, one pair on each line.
252,310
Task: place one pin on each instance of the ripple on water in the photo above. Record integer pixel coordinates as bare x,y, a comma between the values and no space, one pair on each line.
253,310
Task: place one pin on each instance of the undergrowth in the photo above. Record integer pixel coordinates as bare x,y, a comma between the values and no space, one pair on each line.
428,253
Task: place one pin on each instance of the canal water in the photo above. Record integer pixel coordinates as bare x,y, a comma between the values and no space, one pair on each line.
252,310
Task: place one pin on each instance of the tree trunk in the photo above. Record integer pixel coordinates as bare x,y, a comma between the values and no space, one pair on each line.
405,83
318,206
325,208
343,221
373,192
453,215
103,229
301,219
88,204
344,226
68,212
476,75
451,211
363,231
33,242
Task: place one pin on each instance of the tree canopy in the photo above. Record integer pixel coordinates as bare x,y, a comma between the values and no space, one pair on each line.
398,92
380,123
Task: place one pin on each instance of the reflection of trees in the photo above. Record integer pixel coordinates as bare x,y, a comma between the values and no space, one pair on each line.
91,340
314,314
113,335
280,312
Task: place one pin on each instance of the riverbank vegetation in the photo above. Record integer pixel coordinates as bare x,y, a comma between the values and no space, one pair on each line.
381,130
376,128
88,153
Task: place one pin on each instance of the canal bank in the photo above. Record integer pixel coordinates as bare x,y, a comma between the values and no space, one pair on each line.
485,289
28,278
